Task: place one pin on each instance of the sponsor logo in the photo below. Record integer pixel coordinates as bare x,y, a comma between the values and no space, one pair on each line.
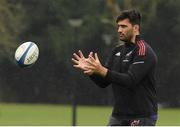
129,53
135,123
118,54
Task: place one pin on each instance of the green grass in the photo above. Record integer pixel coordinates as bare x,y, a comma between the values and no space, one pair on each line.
169,117
37,114
29,114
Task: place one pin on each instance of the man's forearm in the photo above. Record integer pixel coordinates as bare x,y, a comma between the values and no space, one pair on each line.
103,71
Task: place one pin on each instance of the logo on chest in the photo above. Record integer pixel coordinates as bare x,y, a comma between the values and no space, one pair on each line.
129,53
118,54
127,57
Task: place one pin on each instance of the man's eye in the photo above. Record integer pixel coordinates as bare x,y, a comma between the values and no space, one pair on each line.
123,26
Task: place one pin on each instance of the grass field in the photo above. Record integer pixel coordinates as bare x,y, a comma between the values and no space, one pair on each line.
37,114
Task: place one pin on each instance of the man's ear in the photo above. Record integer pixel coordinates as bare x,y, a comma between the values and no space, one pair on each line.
136,28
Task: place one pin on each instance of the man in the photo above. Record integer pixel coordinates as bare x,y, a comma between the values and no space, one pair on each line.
130,70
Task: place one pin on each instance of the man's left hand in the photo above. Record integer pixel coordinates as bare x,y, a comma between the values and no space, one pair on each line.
95,67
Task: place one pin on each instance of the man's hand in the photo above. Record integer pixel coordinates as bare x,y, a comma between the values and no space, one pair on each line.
89,65
80,61
95,66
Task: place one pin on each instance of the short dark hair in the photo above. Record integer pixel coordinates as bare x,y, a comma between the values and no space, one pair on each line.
133,15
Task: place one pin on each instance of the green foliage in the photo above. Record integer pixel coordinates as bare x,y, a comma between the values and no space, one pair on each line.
11,26
66,38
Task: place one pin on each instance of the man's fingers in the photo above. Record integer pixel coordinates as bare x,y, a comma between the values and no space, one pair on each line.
76,66
74,61
88,72
81,54
97,58
90,62
79,67
76,56
89,68
91,54
91,58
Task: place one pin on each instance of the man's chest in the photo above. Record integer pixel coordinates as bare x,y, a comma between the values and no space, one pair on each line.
122,59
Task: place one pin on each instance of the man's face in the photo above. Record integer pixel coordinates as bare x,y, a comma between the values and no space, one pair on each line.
125,30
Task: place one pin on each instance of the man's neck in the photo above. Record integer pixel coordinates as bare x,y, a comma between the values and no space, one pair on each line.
133,40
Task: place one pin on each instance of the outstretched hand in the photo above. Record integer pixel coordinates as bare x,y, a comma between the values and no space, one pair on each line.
89,65
80,61
95,66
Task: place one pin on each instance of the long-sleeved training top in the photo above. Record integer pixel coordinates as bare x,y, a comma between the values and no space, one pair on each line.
131,72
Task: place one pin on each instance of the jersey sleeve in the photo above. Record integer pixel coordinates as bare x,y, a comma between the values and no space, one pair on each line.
144,60
99,80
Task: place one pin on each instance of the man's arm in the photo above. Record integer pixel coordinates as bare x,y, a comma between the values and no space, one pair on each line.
140,67
97,72
80,62
99,80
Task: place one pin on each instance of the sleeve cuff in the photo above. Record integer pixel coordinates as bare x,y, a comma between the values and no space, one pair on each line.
108,75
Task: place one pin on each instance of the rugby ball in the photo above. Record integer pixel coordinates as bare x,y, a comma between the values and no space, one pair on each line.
26,54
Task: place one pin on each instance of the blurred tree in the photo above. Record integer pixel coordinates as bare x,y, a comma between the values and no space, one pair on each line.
11,26
113,6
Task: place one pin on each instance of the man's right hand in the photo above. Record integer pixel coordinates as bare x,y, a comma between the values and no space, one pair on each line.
80,61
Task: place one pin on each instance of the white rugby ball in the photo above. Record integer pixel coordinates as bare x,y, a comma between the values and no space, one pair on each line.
26,54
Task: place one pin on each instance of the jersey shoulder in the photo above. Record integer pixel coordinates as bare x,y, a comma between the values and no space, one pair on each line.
141,48
144,49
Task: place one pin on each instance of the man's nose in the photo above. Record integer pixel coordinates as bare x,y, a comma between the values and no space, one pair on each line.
119,29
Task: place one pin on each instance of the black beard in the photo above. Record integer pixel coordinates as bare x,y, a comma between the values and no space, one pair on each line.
126,40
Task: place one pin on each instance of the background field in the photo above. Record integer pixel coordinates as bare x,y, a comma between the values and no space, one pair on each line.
38,114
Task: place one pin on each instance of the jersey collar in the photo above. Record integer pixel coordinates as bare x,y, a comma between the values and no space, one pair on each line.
138,37
131,44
